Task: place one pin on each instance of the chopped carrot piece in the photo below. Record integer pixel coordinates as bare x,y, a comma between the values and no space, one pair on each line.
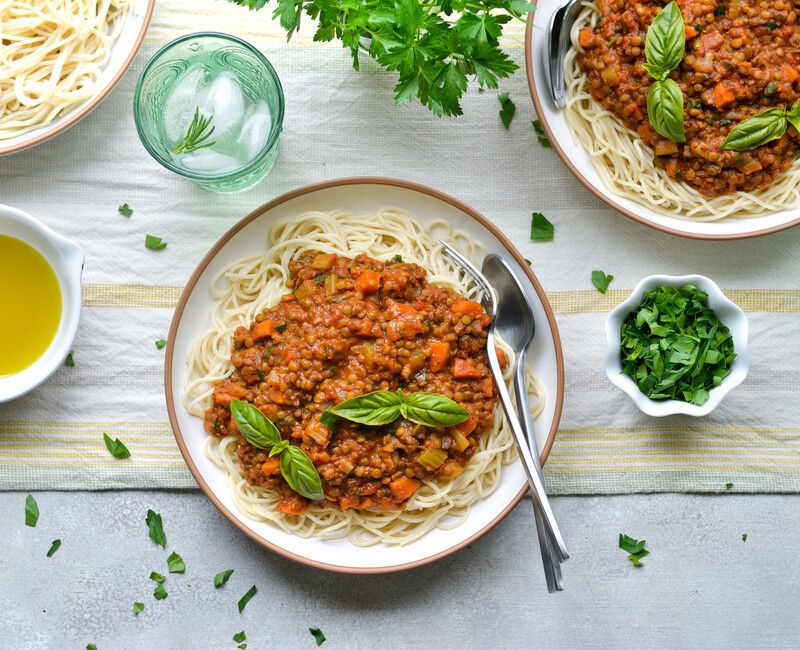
585,37
271,465
501,357
276,396
398,309
723,96
467,426
263,329
463,369
645,133
665,148
671,167
404,487
440,355
790,73
750,166
228,393
690,32
468,307
349,501
406,327
292,506
368,282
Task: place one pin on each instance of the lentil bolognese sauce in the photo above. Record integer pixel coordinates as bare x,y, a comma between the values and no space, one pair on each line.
342,306
742,57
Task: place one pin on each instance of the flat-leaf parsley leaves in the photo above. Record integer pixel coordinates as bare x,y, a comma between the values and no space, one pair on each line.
161,344
154,243
319,637
138,608
541,228
222,577
601,280
70,360
240,636
175,563
541,136
507,109
156,528
54,547
635,549
159,593
125,210
744,537
31,511
116,447
246,598
729,486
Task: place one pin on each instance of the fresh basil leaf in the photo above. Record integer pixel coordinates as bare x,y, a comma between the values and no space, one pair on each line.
665,42
239,637
175,563
372,409
138,608
222,577
300,473
319,637
159,593
507,109
601,281
256,427
665,109
154,243
157,577
54,547
246,598
70,360
156,528
116,447
278,448
433,410
756,130
328,419
161,344
31,511
541,228
793,115
125,210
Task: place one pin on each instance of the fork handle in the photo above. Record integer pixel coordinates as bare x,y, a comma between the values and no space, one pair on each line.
552,565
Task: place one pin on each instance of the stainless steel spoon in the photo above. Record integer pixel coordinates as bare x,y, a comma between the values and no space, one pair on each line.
516,326
556,47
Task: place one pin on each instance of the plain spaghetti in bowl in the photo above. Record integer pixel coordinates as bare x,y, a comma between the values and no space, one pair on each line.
342,306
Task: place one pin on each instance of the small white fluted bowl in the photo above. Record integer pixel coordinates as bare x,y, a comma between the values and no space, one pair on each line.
728,313
66,259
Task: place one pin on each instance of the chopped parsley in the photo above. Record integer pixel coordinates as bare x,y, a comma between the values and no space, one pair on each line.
157,577
744,537
116,447
398,258
239,637
161,344
222,577
31,511
729,486
91,646
771,25
528,262
507,109
719,10
635,549
319,637
156,528
159,593
54,547
320,279
154,243
601,281
138,608
280,328
70,360
125,210
175,563
541,136
246,598
541,228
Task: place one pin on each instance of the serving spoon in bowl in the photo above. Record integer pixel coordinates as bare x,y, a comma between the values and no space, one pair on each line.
517,327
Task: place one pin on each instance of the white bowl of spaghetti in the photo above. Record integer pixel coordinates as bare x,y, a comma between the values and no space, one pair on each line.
59,60
245,273
616,164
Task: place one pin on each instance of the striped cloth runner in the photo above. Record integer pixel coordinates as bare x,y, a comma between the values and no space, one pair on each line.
342,123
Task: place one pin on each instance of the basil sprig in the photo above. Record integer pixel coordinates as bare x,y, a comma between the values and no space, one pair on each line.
762,127
664,48
296,468
383,407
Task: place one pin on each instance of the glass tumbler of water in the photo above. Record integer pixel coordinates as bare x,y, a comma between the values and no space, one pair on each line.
209,107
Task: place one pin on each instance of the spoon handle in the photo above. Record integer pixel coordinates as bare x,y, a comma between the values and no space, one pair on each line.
537,487
552,565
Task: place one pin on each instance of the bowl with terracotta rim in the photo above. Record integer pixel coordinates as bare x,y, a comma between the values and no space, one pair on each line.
578,162
123,52
249,237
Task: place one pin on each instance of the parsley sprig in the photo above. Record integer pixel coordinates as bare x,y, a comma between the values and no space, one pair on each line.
433,52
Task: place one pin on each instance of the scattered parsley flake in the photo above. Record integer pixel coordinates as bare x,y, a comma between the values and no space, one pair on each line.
744,537
157,577
91,646
159,593
125,210
138,608
398,258
239,637
280,328
319,637
31,511
222,577
601,280
70,360
507,109
154,243
116,447
175,563
541,136
156,528
246,598
729,486
161,344
528,262
541,228
635,549
54,547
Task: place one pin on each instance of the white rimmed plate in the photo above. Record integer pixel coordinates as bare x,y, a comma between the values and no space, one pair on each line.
122,53
579,163
248,237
